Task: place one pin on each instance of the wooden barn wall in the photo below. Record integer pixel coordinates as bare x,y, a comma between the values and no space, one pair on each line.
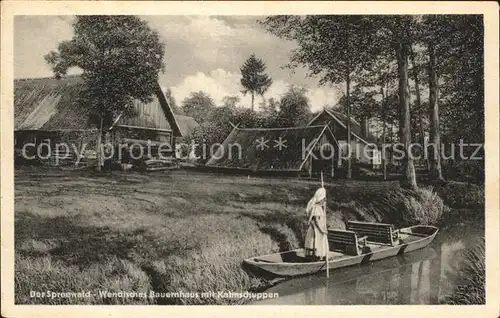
147,115
119,133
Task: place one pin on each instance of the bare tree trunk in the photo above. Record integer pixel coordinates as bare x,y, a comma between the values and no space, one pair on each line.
418,105
422,137
349,167
383,154
348,100
435,171
404,104
253,97
98,147
392,132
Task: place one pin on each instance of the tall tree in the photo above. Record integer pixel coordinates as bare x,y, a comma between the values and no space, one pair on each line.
295,109
120,57
418,104
253,77
396,34
329,46
269,110
456,71
402,52
198,105
435,169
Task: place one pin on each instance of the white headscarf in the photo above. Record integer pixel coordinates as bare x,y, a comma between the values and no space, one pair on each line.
319,196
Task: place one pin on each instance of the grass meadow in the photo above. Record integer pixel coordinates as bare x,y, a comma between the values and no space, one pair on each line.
176,231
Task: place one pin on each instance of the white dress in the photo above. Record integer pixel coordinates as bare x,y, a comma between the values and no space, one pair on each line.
316,241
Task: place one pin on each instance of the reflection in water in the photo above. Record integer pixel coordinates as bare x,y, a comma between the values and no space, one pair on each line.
426,276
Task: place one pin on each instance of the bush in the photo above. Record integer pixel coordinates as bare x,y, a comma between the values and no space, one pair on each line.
426,207
402,206
389,203
462,195
472,292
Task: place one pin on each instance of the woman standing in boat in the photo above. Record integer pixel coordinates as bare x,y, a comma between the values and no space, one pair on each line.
316,241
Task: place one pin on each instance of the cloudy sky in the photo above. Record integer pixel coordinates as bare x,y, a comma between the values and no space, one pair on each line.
202,53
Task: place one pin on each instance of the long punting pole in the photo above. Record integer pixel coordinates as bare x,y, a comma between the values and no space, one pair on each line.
326,242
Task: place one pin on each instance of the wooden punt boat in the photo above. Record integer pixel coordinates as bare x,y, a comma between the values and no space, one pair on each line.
294,263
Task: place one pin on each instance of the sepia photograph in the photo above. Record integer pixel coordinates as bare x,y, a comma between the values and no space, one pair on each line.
235,159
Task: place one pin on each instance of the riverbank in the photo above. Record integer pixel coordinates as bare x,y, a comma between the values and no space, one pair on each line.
178,231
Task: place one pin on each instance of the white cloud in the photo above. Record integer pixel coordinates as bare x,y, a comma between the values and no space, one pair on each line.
322,96
219,83
210,42
205,38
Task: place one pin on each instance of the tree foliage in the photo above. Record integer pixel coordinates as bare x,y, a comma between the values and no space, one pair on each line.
231,101
328,45
270,107
459,44
364,104
295,109
219,123
198,105
399,32
253,77
120,57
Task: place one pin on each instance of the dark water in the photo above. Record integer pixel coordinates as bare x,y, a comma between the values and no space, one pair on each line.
425,276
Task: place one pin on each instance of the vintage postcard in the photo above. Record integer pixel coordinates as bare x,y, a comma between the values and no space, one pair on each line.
229,158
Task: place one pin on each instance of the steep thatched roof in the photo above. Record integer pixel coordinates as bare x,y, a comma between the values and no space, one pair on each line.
255,157
49,104
186,124
53,104
342,120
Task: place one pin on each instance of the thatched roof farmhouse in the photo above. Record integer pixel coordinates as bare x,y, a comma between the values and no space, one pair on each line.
48,109
287,150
